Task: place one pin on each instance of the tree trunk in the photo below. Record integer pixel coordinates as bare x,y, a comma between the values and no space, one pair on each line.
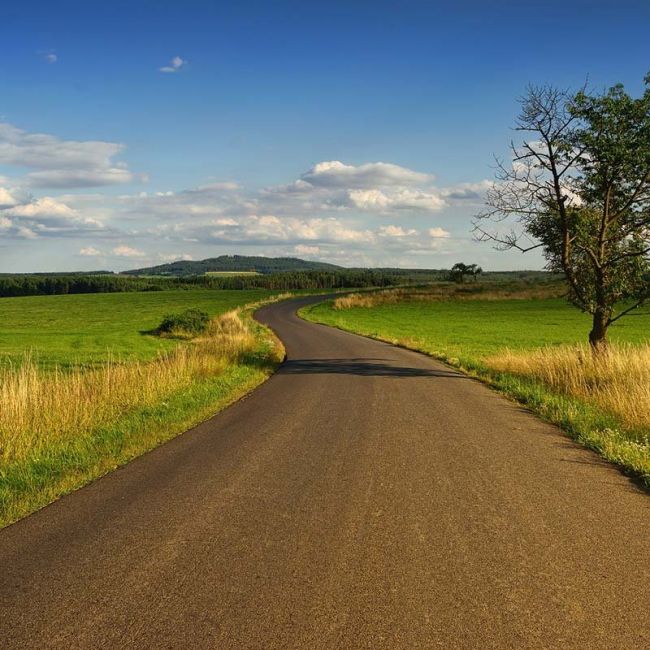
598,334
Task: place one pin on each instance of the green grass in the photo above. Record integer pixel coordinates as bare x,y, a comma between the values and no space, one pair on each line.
64,467
466,333
87,328
477,328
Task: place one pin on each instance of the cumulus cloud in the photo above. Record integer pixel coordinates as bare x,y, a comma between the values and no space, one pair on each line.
333,212
307,251
269,228
7,199
382,188
402,199
396,231
62,163
69,178
400,241
45,208
467,191
89,251
47,217
50,57
174,257
127,251
228,186
334,173
174,65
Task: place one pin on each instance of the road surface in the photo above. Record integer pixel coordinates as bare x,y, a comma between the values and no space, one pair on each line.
364,497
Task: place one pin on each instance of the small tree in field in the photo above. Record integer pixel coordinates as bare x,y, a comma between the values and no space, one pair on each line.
460,270
579,189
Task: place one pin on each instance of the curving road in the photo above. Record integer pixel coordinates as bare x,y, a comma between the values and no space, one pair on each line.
364,497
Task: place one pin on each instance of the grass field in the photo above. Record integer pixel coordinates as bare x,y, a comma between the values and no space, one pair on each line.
477,328
87,328
97,392
533,350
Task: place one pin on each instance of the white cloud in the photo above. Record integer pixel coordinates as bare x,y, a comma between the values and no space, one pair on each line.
174,257
174,65
372,187
50,57
302,249
227,186
42,208
7,199
403,199
328,221
334,173
48,217
270,228
127,251
62,163
69,178
399,240
23,232
466,191
396,231
89,251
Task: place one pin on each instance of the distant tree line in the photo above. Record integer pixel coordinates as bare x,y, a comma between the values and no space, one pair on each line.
71,283
39,285
44,285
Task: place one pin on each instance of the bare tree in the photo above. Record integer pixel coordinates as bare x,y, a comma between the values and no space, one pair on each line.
578,188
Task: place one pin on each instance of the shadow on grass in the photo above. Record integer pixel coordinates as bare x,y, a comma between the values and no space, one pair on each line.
361,367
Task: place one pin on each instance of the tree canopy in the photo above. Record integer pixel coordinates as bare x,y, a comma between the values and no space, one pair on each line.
579,189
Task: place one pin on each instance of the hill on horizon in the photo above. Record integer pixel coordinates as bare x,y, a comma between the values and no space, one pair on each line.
234,263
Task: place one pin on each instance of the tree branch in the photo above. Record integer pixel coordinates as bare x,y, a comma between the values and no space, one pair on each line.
636,305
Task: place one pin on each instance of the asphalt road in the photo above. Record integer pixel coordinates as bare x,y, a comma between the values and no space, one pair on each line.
364,497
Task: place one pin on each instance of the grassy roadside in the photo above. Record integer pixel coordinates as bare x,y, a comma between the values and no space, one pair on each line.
44,456
499,341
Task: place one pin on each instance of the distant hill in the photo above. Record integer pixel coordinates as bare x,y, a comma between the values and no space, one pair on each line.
233,263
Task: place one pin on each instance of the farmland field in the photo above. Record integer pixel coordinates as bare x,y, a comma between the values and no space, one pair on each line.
122,391
476,328
86,328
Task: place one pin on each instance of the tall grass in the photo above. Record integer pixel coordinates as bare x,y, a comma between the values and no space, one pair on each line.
447,291
39,407
617,380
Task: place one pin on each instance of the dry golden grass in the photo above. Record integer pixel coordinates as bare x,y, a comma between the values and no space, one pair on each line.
445,291
618,380
39,407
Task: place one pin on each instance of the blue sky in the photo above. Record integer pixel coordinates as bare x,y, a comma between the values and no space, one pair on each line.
354,132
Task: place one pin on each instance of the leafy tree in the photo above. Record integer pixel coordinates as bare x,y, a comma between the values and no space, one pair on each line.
460,270
579,189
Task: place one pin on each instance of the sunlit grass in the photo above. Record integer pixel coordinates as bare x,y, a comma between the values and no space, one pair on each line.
61,427
40,407
87,329
616,380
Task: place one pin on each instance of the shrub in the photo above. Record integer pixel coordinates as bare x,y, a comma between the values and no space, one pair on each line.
190,322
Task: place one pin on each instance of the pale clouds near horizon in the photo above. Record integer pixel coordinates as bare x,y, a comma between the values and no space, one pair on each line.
371,213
